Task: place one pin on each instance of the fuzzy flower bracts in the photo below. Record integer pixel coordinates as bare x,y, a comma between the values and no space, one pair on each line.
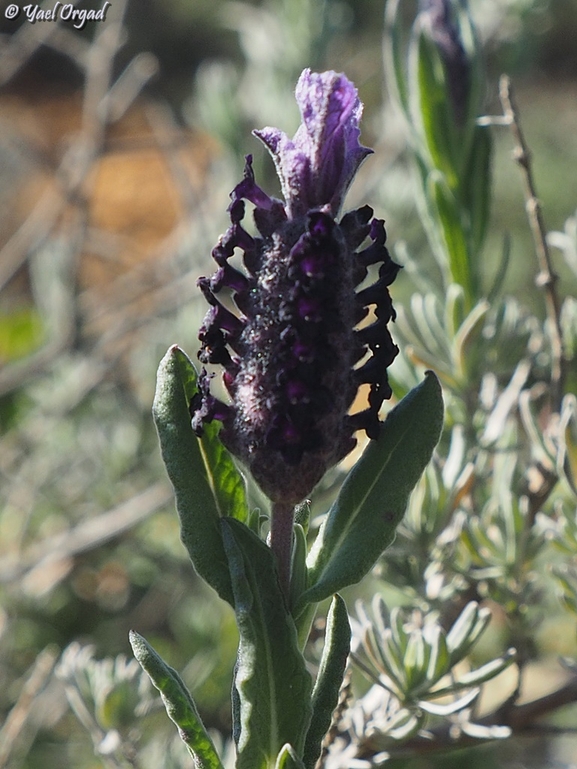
293,354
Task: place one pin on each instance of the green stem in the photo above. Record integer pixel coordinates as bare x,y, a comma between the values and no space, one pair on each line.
281,534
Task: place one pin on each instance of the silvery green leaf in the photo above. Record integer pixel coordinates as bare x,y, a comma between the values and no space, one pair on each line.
567,449
362,522
466,629
196,503
380,612
288,759
487,671
450,708
482,732
272,685
394,56
415,660
227,483
299,572
329,679
543,452
439,660
178,703
469,332
410,725
477,677
391,664
399,635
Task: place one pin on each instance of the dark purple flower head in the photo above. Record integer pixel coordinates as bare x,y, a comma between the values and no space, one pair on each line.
292,353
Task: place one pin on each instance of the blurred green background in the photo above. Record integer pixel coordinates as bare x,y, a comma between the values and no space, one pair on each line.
117,153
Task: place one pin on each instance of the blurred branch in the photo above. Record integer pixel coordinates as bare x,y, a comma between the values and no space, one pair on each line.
547,278
16,721
25,42
87,535
104,102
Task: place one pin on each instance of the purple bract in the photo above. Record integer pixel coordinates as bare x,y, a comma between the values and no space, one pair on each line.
292,353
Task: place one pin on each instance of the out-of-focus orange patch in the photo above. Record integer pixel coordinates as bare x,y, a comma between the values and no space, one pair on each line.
130,197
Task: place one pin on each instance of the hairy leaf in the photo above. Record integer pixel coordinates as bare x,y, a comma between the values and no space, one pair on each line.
272,685
195,501
362,521
329,678
227,483
178,703
288,759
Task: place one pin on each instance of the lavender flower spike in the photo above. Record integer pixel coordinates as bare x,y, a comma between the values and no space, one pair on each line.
292,354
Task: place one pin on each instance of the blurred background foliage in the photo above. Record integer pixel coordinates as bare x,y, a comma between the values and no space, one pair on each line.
119,144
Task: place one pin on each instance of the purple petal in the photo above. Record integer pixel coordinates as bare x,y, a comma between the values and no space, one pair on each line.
317,166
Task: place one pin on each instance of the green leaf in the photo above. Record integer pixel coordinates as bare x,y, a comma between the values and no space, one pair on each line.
361,523
439,661
195,501
469,625
449,215
227,483
393,57
272,683
329,678
432,107
178,703
299,571
476,677
288,759
415,661
477,186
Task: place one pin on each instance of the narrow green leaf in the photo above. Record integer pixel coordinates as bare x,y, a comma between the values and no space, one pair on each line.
272,683
495,292
195,500
410,723
476,677
477,187
398,634
432,106
178,703
299,571
362,521
288,759
329,678
388,659
449,214
488,671
394,58
439,662
415,661
468,627
451,707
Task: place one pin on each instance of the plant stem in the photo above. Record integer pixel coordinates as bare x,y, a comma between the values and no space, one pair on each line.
281,534
546,279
